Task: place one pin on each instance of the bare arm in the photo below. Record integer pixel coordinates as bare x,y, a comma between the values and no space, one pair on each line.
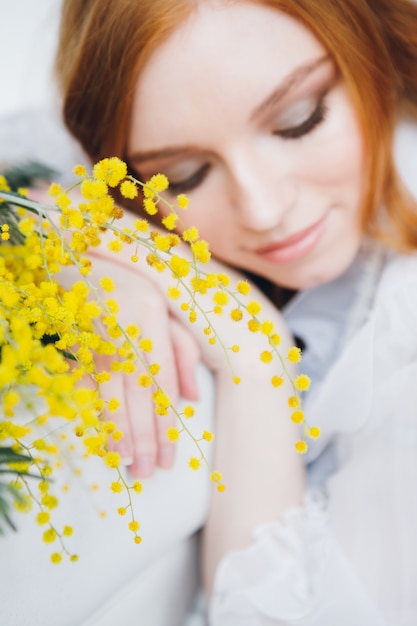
255,450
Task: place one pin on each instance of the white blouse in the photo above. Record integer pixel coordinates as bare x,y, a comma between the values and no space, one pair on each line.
348,557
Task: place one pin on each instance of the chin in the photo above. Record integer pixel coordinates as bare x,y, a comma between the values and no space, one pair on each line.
316,273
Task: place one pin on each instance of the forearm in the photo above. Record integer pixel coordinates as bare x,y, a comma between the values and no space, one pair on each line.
255,451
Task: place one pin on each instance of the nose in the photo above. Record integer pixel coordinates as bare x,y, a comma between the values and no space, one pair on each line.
261,195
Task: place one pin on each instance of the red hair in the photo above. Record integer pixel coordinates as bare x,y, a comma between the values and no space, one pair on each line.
104,44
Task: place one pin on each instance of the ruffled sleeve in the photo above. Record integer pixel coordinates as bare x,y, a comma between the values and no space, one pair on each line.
348,558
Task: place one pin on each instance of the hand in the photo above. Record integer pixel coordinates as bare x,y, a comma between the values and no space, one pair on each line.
144,444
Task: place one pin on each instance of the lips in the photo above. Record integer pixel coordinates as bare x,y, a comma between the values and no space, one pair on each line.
294,247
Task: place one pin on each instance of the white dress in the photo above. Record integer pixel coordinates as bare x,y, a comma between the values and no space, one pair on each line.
348,557
114,581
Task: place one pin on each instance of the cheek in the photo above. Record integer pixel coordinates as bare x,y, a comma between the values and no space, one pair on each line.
337,157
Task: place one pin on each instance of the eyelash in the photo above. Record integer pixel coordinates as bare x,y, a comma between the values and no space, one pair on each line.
317,117
189,183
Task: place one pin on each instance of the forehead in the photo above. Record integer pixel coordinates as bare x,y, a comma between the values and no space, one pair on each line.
222,51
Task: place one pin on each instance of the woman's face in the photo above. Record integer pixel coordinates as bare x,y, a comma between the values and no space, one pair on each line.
244,111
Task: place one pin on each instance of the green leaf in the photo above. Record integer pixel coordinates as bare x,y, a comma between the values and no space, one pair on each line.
28,174
8,455
8,493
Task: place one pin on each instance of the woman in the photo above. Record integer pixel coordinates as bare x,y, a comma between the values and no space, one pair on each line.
277,119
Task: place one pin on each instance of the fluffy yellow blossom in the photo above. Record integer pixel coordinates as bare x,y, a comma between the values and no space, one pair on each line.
277,381
5,235
161,402
174,293
142,226
137,486
4,186
113,405
243,287
173,434
301,447
201,251
128,367
115,246
145,344
180,267
182,201
56,558
267,327
170,221
221,298
134,525
113,306
223,279
150,206
111,171
254,326
207,435
253,308
133,331
194,463
80,170
43,517
92,189
107,284
156,184
112,459
155,262
266,357
294,355
297,417
129,189
144,380
236,315
275,339
302,382
49,535
293,402
188,411
314,432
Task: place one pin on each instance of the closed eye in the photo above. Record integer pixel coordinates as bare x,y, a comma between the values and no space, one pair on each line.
307,125
191,182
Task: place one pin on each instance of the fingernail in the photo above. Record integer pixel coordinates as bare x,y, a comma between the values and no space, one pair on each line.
166,457
144,466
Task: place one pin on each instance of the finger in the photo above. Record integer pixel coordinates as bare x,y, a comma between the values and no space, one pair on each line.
139,408
187,356
149,430
114,389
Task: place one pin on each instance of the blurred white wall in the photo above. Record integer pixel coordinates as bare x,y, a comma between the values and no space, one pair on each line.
28,36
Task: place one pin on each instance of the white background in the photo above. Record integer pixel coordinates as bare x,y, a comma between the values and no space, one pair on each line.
28,36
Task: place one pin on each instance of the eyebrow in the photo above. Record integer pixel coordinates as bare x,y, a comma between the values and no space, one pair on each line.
163,153
295,77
